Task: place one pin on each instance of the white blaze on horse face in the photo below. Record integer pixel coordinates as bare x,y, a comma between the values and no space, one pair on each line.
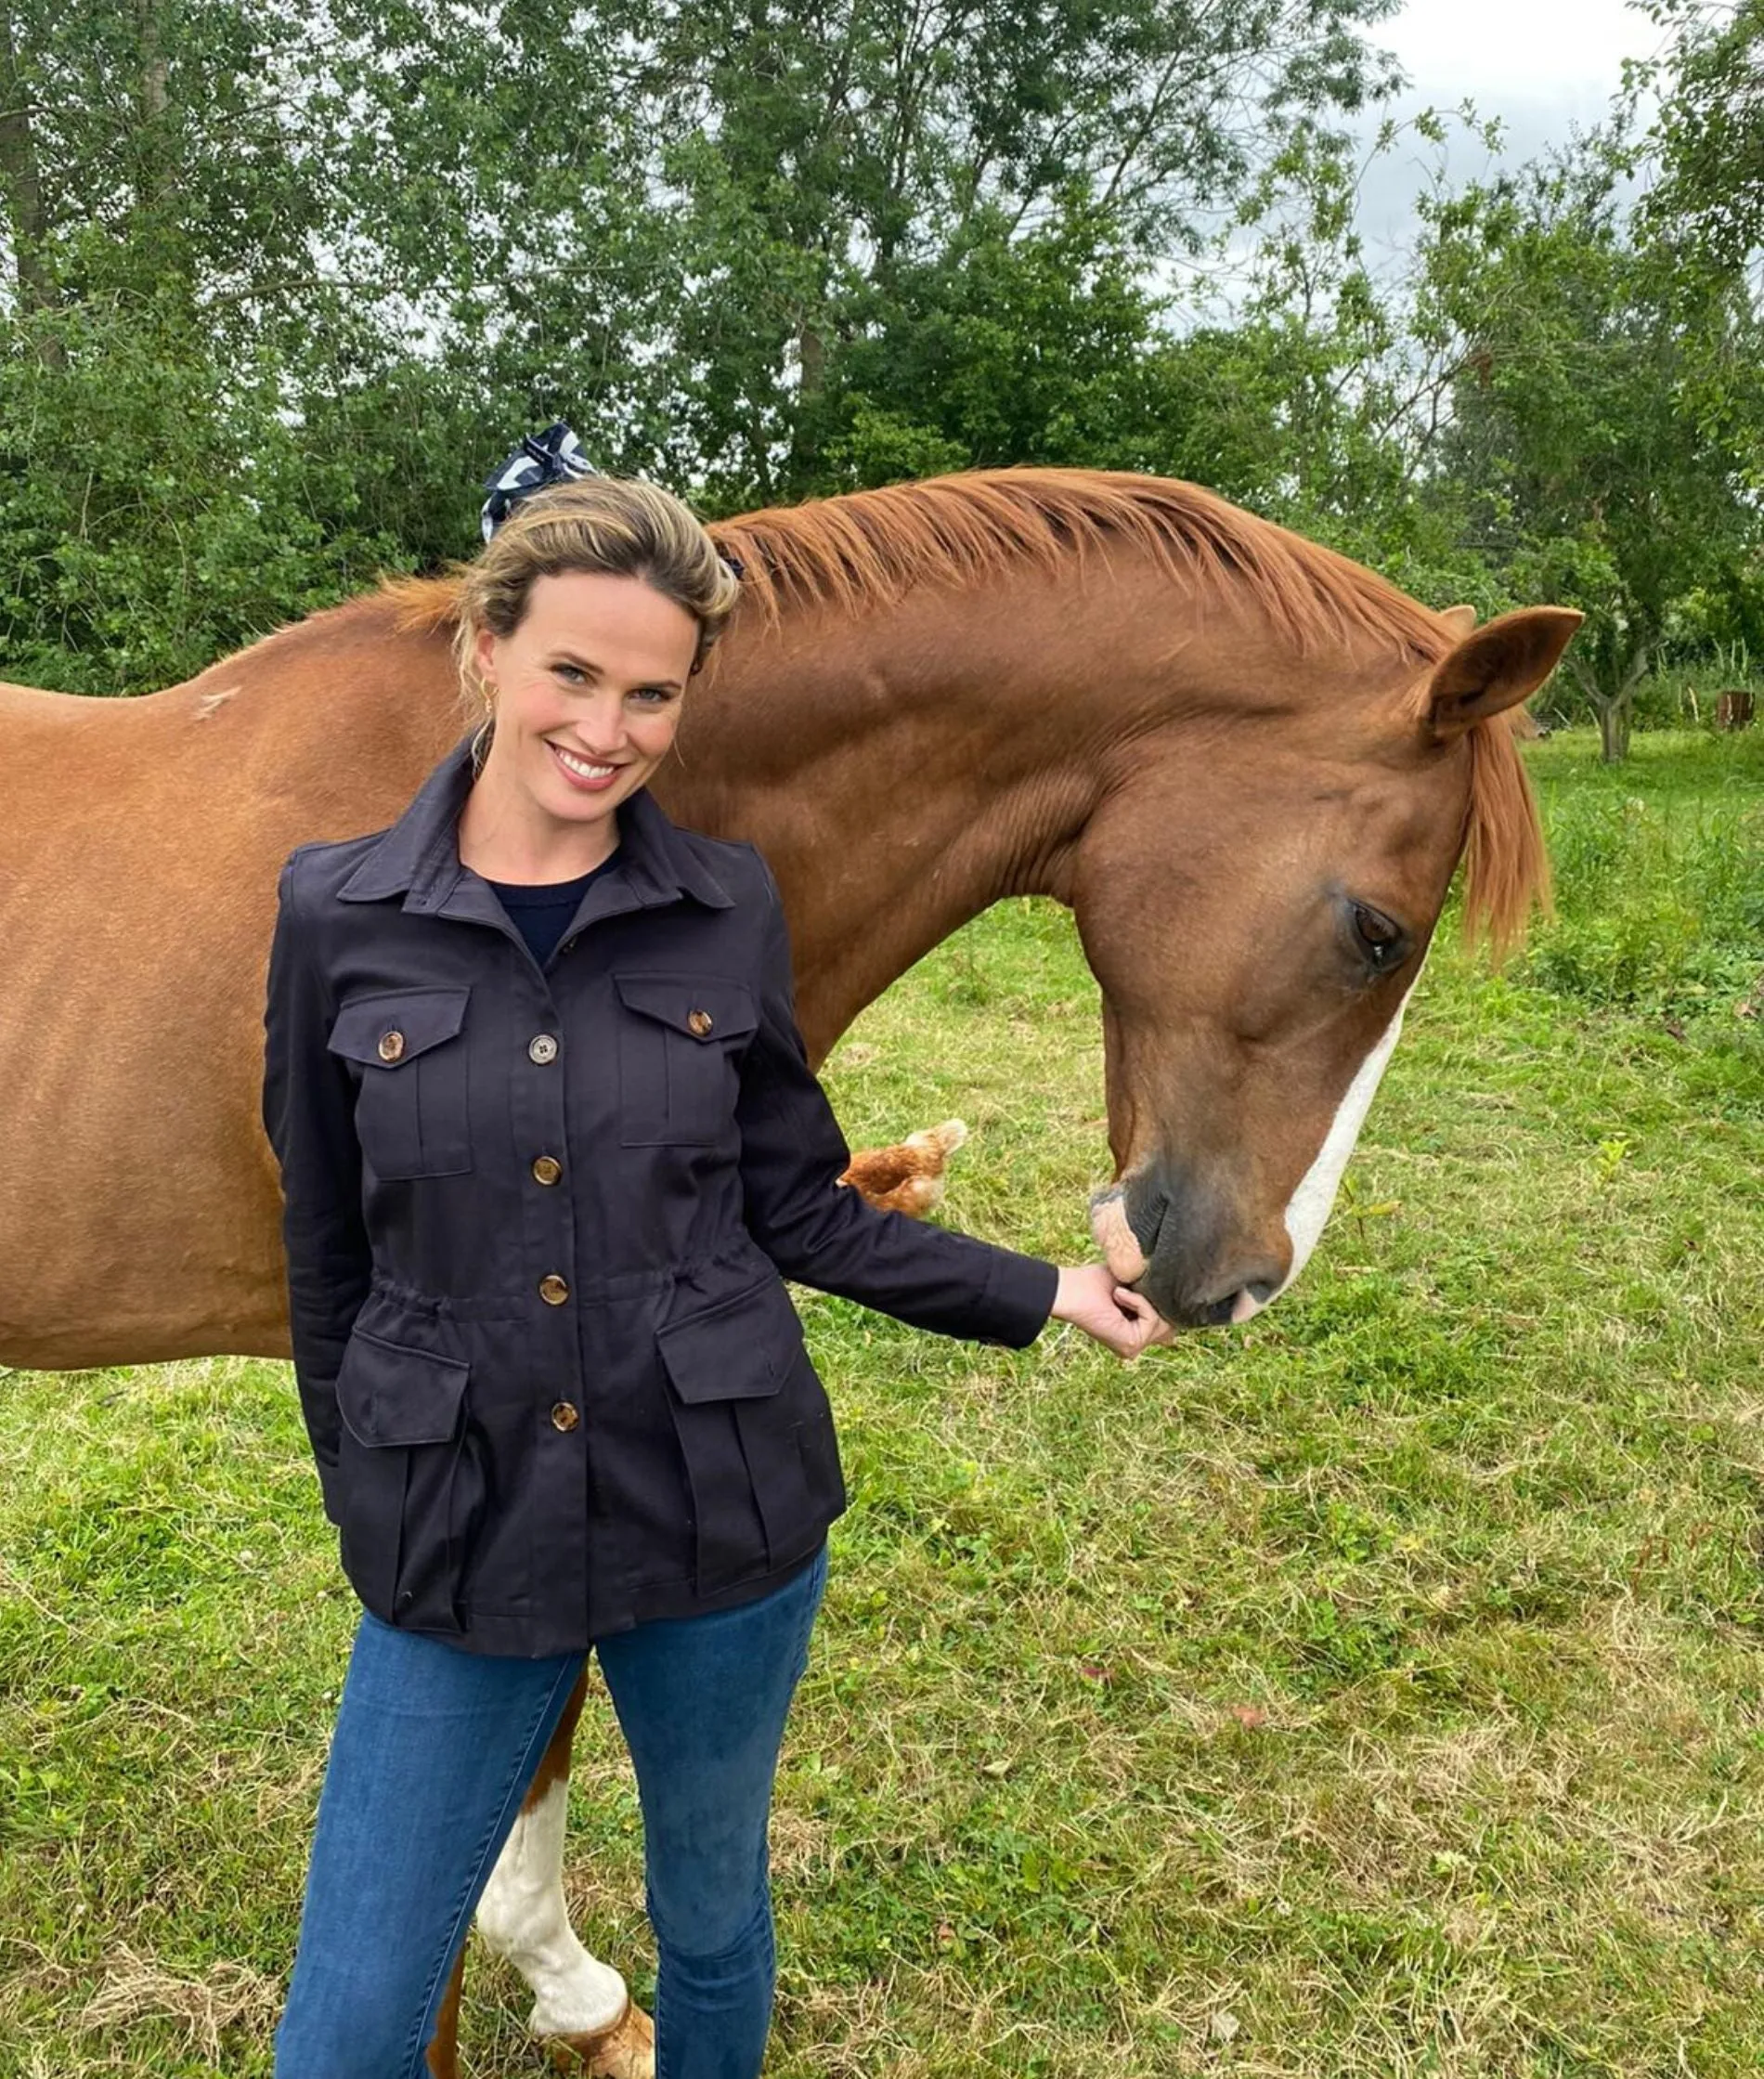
523,1917
1308,1208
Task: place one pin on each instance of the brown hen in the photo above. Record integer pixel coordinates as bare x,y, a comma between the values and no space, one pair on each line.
907,1177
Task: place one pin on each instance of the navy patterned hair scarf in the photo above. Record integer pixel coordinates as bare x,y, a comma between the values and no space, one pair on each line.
552,457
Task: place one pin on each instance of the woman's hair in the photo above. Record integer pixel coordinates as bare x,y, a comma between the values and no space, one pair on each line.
614,524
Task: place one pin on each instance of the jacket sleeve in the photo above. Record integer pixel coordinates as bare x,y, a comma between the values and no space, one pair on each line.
829,1235
309,1113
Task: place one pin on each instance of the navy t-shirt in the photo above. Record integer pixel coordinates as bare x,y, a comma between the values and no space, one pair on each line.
540,910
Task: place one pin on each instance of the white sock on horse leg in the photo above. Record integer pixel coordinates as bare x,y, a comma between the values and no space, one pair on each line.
523,1917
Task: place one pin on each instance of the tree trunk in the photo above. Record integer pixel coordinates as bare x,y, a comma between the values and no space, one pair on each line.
155,174
811,354
1616,704
23,195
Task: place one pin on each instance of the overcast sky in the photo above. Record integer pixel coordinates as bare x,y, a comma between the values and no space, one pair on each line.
1543,66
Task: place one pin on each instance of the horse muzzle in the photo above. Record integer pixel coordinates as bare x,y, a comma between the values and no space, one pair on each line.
1181,1244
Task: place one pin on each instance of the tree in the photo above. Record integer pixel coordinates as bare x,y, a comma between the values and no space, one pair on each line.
279,283
828,167
158,501
1708,203
1578,451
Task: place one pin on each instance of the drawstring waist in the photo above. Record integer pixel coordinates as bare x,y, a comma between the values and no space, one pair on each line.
608,1288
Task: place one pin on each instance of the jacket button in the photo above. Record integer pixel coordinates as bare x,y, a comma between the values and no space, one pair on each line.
391,1045
547,1168
564,1416
542,1046
553,1290
700,1021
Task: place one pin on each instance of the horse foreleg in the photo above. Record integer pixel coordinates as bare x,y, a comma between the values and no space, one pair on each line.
581,2009
442,2059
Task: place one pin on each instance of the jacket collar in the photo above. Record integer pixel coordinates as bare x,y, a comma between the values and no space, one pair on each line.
419,855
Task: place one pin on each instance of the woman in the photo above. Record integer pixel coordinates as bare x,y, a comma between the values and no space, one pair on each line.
550,1144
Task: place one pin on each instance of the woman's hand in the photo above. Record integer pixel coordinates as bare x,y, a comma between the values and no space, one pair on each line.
1092,1298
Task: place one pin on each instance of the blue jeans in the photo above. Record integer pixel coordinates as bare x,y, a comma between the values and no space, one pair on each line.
431,1758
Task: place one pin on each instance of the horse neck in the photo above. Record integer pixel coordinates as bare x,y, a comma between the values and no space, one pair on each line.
900,773
904,770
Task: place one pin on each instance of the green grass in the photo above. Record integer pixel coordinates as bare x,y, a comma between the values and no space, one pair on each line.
1373,1691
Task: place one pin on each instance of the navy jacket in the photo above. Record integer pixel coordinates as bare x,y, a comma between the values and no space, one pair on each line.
537,1222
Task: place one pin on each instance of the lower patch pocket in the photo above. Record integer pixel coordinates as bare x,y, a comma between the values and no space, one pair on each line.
413,1486
728,1364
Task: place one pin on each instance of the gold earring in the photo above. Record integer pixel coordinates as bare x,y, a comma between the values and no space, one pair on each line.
487,697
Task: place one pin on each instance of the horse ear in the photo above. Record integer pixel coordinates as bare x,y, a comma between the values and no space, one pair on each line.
1459,620
1498,666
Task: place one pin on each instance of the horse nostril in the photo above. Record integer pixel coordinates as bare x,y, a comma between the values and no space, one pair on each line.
1240,1304
1146,1219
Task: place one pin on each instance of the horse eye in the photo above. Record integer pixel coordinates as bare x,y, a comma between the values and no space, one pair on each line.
1379,937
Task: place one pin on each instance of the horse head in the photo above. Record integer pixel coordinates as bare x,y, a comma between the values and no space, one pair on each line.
1257,927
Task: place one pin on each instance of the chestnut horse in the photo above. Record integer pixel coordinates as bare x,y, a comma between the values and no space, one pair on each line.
1249,766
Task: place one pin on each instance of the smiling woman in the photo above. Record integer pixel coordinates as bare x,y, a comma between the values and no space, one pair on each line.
569,739
539,1208
571,727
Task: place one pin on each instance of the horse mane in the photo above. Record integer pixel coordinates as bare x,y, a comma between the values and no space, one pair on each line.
866,548
1506,862
862,550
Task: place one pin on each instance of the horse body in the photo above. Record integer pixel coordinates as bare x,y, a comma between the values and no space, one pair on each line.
138,849
1248,766
137,858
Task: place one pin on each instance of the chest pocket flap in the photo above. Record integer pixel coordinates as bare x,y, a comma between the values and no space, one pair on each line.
703,1007
413,1117
394,1026
679,1055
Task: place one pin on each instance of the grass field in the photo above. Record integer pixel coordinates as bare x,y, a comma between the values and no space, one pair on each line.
1376,1690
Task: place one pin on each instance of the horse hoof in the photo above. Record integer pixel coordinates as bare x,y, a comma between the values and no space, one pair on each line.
625,2050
